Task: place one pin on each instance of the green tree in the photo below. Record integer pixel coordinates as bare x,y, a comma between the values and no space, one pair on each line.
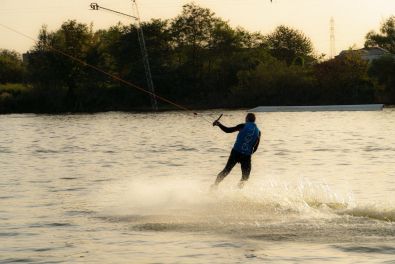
191,38
11,67
344,80
57,75
204,47
193,27
288,44
250,40
383,73
197,59
273,82
385,38
120,50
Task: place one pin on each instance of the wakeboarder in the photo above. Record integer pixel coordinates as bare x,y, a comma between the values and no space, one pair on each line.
246,144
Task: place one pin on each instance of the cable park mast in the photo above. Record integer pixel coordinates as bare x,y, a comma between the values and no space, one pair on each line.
141,39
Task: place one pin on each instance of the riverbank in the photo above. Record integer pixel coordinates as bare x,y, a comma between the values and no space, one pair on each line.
24,98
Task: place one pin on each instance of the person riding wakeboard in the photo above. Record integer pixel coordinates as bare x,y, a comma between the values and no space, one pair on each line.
246,144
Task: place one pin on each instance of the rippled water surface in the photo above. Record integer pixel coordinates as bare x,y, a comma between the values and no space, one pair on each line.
134,188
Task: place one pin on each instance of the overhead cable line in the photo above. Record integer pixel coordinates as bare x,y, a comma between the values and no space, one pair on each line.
164,99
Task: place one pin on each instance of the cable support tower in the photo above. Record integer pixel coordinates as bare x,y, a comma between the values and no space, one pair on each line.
143,49
144,54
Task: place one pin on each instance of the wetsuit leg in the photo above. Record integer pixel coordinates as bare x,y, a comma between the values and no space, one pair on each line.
245,167
228,167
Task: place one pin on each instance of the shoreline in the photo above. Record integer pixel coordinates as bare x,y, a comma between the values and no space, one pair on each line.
165,110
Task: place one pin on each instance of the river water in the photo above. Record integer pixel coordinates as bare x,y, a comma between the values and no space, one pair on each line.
134,188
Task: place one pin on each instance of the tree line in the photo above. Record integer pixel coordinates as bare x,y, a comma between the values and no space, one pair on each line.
198,60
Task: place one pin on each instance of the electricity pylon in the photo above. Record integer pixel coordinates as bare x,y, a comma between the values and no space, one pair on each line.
332,51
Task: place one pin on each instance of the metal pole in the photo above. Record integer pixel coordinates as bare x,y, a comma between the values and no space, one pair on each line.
144,54
140,35
332,51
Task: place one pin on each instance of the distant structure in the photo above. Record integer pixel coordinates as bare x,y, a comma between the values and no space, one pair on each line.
318,108
332,50
368,54
140,35
144,53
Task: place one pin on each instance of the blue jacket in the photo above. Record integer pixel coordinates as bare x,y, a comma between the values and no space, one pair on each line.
247,138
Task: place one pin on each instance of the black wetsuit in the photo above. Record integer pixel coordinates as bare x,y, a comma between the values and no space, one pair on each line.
237,157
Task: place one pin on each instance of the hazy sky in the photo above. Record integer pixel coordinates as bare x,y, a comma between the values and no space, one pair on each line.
353,18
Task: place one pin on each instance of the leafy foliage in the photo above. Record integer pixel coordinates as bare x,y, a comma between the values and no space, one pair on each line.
344,80
11,67
385,38
287,44
382,72
197,59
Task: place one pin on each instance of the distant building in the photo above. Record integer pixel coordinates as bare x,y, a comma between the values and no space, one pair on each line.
368,54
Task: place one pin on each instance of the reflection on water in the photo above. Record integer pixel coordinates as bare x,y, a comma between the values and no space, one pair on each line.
117,187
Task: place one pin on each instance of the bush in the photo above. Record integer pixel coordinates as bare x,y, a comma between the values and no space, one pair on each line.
275,83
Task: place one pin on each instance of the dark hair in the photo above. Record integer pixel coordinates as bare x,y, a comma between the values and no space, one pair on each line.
250,117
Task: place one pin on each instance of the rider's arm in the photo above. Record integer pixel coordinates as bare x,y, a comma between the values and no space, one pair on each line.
230,129
257,142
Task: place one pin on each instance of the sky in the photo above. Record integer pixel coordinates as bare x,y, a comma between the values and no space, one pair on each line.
353,18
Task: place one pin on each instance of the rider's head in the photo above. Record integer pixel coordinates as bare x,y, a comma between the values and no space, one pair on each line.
250,117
